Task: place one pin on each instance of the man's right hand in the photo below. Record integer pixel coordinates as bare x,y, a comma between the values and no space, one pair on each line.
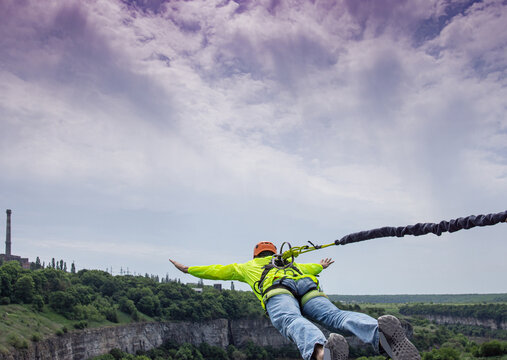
179,266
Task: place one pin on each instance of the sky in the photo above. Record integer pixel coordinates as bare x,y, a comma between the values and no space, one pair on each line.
136,131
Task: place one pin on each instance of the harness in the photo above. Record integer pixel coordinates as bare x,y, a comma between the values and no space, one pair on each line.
279,287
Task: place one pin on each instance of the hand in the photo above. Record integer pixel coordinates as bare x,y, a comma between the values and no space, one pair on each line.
179,266
326,262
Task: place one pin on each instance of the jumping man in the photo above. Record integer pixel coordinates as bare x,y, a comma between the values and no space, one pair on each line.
291,296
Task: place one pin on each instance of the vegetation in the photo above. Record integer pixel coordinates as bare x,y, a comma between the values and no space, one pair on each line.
170,351
455,348
46,301
96,296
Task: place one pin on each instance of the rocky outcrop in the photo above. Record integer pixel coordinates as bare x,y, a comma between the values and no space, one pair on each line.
84,344
489,323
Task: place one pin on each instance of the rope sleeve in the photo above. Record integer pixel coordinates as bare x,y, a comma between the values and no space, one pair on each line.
425,228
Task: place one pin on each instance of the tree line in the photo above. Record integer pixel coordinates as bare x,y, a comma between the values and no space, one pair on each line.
95,295
172,351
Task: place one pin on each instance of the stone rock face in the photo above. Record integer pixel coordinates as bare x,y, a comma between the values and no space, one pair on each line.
84,344
260,331
489,323
81,345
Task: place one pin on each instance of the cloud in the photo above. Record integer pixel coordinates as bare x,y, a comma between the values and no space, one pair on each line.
272,110
180,87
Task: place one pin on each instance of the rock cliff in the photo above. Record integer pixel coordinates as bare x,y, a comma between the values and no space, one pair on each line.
489,323
84,344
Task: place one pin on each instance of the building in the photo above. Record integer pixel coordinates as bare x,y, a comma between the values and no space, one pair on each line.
8,255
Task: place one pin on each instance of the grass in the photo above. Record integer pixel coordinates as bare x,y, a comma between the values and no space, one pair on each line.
20,325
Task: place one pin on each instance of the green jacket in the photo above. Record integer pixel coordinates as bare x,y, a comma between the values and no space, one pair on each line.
251,272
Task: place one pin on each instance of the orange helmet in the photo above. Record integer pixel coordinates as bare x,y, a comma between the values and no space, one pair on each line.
264,246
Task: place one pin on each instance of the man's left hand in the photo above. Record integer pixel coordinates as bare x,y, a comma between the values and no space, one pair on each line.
326,262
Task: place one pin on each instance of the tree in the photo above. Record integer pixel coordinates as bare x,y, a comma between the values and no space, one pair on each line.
23,289
37,265
38,302
9,273
62,302
53,263
73,268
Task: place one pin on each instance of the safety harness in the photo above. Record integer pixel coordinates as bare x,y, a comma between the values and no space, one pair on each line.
278,286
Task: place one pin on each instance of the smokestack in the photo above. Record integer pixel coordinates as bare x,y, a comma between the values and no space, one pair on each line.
8,233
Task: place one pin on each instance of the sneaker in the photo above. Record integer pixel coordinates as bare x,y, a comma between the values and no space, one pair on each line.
393,339
336,348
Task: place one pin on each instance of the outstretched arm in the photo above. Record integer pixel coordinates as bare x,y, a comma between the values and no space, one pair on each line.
179,266
326,262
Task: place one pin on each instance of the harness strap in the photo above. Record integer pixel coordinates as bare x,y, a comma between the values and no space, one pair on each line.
276,291
310,295
267,269
260,282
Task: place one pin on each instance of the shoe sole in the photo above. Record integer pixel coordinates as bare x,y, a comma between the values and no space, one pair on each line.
394,340
336,348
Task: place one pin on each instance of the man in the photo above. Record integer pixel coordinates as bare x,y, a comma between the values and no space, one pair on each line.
291,296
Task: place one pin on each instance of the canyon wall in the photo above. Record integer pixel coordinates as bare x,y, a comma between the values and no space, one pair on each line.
83,344
489,323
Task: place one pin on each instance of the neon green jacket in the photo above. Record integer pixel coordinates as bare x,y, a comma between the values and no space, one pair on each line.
251,271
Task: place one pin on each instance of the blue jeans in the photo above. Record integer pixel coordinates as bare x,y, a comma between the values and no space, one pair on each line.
288,318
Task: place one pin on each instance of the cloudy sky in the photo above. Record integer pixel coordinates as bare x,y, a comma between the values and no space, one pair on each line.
138,130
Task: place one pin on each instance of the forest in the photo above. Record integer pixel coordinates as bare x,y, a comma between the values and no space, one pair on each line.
94,295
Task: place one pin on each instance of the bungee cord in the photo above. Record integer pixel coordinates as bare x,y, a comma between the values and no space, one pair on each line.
281,260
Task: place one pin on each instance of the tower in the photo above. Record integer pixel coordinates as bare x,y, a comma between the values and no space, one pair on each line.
8,234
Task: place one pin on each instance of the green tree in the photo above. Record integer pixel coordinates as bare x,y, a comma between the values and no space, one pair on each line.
444,353
9,273
493,348
188,352
62,302
24,289
38,303
36,265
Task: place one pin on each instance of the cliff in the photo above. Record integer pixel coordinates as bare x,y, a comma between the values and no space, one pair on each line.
83,344
489,323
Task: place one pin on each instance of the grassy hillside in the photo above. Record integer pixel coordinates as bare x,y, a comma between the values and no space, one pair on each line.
20,325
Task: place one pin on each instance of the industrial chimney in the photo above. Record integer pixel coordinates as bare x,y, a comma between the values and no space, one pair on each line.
8,234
